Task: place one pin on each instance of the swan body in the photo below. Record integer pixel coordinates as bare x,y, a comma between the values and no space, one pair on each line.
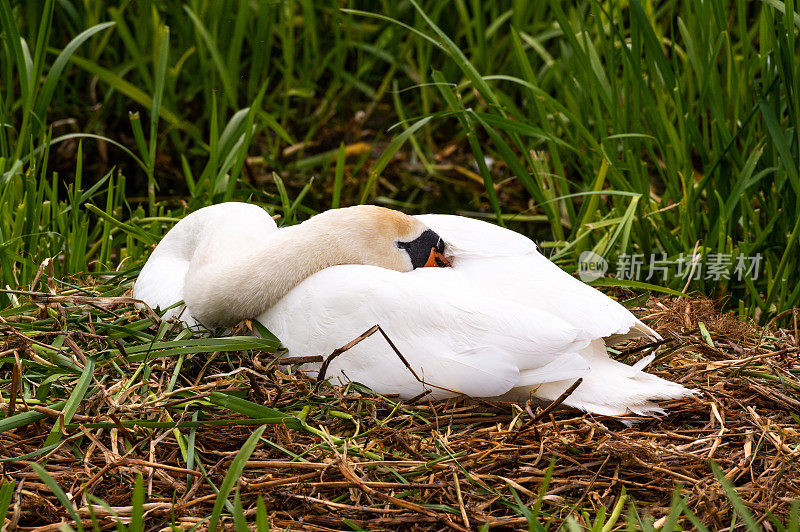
502,322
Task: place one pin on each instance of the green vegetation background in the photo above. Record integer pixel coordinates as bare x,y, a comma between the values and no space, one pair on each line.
661,128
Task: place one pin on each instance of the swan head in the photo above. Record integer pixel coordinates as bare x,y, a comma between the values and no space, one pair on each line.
377,236
249,276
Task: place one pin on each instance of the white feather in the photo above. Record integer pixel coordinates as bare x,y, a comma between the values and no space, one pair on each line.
502,322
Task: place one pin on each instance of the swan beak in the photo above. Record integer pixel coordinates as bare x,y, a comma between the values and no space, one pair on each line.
438,260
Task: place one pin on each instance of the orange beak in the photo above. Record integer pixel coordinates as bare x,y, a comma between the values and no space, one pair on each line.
437,260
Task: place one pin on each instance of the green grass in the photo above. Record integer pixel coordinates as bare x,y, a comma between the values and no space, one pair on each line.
622,128
630,127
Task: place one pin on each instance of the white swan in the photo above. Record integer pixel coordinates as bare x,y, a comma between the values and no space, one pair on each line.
503,321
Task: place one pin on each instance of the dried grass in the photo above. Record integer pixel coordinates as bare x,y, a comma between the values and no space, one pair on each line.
430,466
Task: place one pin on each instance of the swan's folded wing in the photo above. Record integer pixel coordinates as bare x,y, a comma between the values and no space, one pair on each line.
160,285
507,265
540,283
205,236
454,342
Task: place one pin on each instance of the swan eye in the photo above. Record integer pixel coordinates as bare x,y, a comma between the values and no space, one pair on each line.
425,250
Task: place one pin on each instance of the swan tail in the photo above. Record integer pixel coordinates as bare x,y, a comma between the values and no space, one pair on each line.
638,330
610,387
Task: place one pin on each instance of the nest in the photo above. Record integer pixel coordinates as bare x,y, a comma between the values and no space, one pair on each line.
377,463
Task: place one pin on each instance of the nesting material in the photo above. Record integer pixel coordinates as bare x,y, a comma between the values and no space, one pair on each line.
391,461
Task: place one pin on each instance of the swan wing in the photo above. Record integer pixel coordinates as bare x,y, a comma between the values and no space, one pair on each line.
203,236
453,342
160,285
507,265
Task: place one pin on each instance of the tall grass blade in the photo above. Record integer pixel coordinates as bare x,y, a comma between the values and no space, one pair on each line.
137,510
387,155
158,95
233,474
57,68
73,403
6,493
59,493
736,501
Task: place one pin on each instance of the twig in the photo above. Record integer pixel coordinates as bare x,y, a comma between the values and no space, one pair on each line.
288,361
648,345
366,334
560,399
336,352
460,500
549,408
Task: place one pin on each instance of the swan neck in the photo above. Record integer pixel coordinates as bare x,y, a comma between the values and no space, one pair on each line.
232,286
